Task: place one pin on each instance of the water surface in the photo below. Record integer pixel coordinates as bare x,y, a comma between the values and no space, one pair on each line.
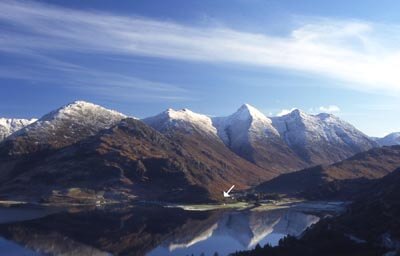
146,230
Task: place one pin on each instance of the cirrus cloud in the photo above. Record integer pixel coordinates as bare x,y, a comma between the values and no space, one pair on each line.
329,109
362,55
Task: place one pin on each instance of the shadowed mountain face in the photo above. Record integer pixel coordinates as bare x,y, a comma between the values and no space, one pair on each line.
219,161
337,180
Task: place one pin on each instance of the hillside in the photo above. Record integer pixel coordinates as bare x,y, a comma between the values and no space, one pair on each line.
326,181
130,160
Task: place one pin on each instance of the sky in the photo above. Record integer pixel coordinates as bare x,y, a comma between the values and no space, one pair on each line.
211,56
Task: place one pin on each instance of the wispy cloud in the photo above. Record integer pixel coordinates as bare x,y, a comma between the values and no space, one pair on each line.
106,84
285,112
329,109
365,56
313,111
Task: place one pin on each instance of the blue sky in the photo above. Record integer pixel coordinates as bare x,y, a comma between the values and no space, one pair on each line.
141,57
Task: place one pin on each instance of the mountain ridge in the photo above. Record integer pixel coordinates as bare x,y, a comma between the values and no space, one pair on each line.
340,179
204,159
63,127
322,138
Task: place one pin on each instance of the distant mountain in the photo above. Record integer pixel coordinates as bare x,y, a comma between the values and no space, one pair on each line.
337,180
389,140
62,127
250,134
281,144
322,138
11,125
83,149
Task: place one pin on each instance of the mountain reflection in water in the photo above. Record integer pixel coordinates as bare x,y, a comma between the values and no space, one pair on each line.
151,231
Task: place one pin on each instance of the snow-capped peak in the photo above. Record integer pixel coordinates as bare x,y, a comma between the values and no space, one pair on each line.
246,124
301,131
69,124
182,119
79,109
11,125
297,113
247,111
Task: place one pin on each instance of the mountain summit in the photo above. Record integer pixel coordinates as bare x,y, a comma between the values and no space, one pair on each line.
250,134
184,120
322,138
247,123
64,126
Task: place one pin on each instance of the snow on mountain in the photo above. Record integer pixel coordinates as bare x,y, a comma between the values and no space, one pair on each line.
389,140
89,113
322,137
69,124
336,128
287,142
11,125
251,135
245,125
183,119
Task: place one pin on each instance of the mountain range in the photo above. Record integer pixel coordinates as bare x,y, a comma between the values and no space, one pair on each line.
83,150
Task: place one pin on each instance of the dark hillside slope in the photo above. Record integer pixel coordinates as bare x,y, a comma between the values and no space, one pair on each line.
326,181
130,160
